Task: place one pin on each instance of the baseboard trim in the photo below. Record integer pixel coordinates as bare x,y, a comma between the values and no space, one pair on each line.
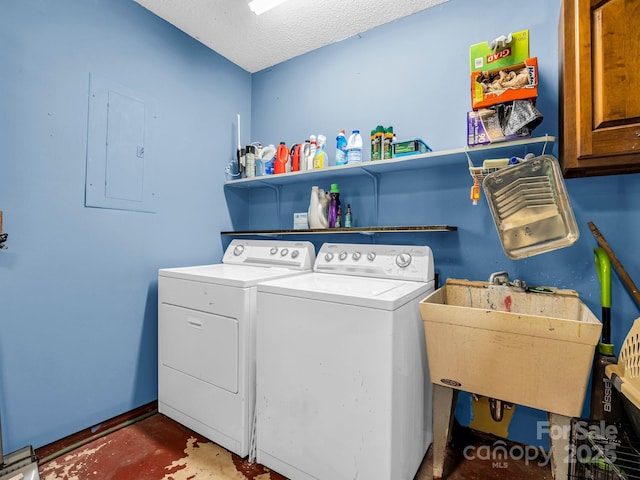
75,440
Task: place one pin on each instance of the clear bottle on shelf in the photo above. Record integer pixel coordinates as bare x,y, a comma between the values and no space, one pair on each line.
348,219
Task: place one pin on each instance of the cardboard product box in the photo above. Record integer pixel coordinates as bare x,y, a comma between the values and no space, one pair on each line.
483,127
485,56
411,146
515,82
300,221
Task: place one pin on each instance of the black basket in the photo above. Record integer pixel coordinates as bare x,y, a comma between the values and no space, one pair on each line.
603,451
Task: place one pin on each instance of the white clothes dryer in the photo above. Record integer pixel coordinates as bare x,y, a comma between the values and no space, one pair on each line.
206,337
343,388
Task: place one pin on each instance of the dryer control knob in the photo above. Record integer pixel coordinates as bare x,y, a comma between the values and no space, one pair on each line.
371,256
238,250
284,252
343,255
328,257
356,256
273,250
403,260
295,254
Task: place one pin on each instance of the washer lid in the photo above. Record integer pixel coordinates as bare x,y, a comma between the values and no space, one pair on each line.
225,274
386,294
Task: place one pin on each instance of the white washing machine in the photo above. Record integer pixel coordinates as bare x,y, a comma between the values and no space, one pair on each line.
343,388
206,337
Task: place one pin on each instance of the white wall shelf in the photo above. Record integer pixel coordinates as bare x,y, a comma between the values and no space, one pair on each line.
466,157
426,160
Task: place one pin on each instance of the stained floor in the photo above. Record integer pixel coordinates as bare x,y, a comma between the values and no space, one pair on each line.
157,448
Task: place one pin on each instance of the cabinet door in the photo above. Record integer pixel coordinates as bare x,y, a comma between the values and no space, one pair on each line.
600,85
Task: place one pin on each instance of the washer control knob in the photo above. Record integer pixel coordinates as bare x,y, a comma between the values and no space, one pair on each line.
356,256
295,253
342,255
273,250
284,252
238,250
328,257
403,260
371,256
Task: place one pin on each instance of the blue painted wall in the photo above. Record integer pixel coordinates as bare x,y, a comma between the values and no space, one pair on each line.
78,288
414,74
78,285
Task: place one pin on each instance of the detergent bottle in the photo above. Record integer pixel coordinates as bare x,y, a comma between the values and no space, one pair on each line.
264,164
295,157
341,148
282,159
318,208
305,148
334,206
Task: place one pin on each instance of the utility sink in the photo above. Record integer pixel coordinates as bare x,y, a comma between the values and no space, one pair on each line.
531,347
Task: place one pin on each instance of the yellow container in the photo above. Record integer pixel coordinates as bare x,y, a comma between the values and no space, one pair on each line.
528,348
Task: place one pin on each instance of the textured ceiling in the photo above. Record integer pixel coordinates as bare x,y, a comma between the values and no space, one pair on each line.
255,42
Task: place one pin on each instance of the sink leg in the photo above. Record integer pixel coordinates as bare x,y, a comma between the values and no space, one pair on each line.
444,405
559,445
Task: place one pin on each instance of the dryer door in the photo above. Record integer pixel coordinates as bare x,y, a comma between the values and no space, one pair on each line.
200,344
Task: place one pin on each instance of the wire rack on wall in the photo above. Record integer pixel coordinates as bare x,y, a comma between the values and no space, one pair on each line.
491,166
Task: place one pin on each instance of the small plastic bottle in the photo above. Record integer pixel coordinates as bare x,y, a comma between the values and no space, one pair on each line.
348,220
377,136
341,148
250,161
320,158
334,204
387,148
312,152
354,148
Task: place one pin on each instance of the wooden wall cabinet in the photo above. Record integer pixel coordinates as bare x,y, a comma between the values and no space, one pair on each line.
599,55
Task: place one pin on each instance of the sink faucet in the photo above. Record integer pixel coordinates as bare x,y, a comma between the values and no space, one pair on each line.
502,278
499,278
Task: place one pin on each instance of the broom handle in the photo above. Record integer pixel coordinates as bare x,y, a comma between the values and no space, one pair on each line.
626,279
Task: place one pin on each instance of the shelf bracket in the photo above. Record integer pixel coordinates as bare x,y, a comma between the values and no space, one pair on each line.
374,180
276,189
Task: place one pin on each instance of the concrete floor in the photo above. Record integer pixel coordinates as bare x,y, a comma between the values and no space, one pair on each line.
157,448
